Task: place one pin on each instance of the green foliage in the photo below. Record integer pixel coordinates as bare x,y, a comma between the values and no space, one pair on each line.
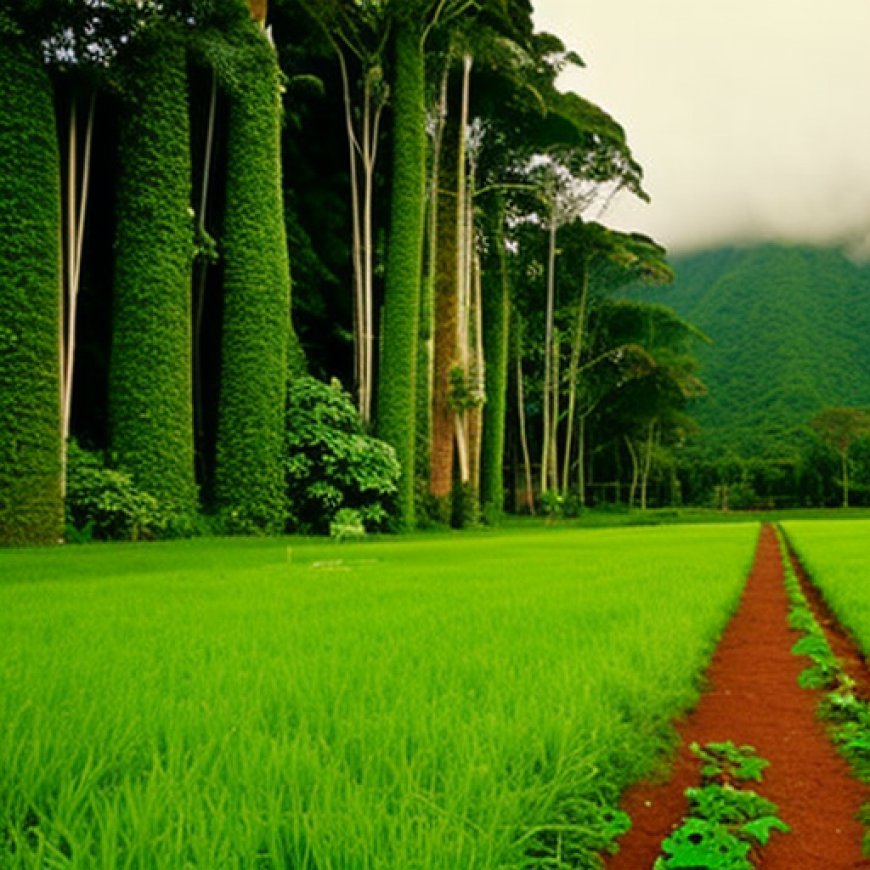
150,410
724,822
397,380
331,465
249,488
31,510
104,503
727,762
766,309
698,843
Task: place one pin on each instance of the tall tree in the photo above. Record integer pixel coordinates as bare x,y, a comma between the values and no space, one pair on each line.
150,391
30,427
257,332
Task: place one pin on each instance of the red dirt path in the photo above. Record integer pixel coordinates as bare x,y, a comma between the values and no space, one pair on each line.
754,698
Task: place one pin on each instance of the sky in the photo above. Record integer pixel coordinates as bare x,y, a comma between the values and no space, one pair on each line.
751,118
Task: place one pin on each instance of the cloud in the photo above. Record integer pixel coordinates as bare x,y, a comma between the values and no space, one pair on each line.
751,119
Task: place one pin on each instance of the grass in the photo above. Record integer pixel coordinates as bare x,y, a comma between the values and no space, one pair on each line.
442,702
837,556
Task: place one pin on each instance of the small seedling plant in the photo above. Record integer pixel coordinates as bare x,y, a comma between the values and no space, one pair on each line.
725,821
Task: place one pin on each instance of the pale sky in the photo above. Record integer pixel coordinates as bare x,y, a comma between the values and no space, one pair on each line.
751,118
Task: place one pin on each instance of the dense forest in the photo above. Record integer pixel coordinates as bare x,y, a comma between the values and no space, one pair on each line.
788,327
456,343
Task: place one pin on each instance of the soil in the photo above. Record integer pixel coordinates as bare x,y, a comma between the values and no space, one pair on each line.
753,698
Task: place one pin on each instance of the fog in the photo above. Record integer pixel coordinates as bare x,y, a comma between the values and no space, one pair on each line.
751,118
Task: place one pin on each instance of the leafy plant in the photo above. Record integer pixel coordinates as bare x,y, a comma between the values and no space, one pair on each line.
104,503
700,843
331,464
727,761
724,821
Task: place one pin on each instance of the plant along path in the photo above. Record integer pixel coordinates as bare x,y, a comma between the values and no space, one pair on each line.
754,699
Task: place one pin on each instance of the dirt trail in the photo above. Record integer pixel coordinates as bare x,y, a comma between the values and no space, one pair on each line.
754,698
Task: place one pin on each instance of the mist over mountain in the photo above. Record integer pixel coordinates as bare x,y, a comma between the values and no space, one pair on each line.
790,334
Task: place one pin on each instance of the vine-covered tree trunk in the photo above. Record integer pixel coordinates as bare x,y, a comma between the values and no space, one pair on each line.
397,383
31,509
150,390
496,321
257,334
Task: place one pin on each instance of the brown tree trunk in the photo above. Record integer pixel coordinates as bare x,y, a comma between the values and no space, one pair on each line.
446,318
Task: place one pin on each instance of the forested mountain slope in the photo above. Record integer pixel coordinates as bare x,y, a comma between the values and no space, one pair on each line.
790,331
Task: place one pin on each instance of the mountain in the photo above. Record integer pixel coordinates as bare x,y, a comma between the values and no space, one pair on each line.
790,333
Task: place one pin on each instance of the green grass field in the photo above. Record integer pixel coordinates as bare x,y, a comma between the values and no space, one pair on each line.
445,702
837,555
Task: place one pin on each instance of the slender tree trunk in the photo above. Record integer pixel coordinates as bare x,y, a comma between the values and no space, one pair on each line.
203,265
635,471
359,317
463,274
573,372
475,414
647,463
552,458
581,461
524,442
496,328
77,201
844,456
397,385
546,405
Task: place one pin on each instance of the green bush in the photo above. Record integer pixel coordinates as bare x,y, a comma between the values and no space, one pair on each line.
104,503
331,464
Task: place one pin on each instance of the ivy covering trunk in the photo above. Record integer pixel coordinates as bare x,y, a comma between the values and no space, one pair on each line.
31,509
257,333
397,383
150,403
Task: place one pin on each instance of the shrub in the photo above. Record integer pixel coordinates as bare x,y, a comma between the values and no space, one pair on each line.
105,504
331,464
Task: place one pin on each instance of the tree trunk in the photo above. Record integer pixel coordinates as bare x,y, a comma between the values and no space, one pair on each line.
397,383
647,463
524,443
546,405
632,452
496,329
31,508
203,265
844,456
573,372
257,331
150,383
77,202
446,324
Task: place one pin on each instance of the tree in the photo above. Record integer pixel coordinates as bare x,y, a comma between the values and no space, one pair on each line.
840,428
150,390
257,333
411,23
31,510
